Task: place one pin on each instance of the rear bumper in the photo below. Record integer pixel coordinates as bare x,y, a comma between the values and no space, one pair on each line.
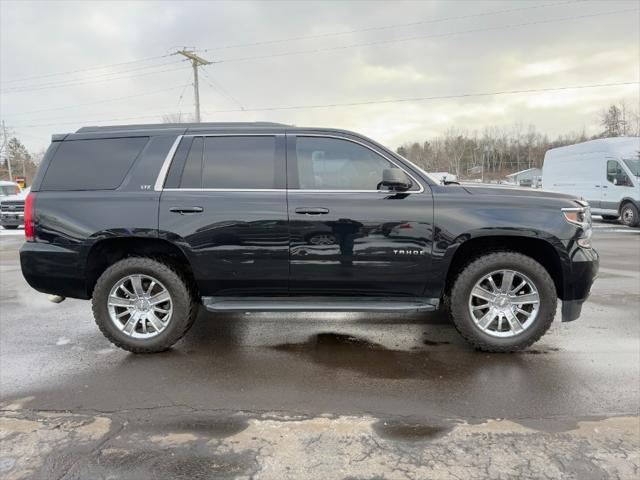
579,274
53,269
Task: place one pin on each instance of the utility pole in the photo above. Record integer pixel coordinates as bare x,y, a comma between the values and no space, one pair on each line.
196,61
4,149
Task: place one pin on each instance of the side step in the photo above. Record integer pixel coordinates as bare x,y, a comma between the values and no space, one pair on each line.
319,304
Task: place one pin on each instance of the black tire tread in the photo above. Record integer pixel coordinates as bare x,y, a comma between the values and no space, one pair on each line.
164,267
468,273
636,215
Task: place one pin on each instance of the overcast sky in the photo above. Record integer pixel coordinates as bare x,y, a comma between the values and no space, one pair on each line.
314,54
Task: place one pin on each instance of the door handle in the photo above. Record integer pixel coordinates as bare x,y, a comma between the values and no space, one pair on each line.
604,186
312,210
186,210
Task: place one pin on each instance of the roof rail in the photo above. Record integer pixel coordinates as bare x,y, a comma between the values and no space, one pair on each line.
164,126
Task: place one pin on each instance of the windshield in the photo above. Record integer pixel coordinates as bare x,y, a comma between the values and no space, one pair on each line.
6,190
634,165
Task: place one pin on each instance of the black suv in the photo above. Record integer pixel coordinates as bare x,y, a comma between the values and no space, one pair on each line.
148,221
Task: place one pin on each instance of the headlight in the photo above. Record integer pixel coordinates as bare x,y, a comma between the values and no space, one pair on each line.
575,215
580,216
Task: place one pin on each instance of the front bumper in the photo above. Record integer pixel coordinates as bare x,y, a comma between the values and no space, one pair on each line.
579,273
11,219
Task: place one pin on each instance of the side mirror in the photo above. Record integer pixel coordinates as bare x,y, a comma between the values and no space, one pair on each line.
395,179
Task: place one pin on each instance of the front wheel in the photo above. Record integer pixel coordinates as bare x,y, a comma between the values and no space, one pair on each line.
503,302
143,305
629,215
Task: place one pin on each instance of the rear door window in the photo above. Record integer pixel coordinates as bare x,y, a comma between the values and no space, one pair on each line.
99,164
239,162
192,173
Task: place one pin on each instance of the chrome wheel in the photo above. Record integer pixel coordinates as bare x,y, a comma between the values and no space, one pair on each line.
504,303
140,306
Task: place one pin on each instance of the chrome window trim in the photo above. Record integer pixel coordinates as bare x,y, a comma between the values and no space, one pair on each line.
224,189
164,170
234,135
162,174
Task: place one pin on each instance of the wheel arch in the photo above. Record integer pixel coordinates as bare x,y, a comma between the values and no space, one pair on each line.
626,200
106,252
541,250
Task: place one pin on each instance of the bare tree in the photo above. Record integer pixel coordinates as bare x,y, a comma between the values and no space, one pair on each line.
176,118
613,121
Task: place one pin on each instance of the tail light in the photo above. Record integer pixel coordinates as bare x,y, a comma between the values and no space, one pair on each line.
28,217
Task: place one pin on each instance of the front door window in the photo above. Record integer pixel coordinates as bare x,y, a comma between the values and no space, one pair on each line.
616,175
325,163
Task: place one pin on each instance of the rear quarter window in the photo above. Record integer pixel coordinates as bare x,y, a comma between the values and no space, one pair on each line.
99,164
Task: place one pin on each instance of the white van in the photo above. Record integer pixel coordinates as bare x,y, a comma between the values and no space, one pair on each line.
604,172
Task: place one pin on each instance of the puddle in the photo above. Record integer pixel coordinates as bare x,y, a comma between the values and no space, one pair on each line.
435,343
410,431
535,351
205,426
340,351
178,465
331,340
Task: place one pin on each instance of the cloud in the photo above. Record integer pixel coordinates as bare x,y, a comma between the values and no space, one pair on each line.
551,67
39,38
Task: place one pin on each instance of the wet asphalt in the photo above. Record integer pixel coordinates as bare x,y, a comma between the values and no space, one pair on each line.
387,367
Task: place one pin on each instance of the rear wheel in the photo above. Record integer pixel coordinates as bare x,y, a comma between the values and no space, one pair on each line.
503,302
629,215
143,305
11,227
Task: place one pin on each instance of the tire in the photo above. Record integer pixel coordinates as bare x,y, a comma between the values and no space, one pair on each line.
629,215
183,306
11,227
480,268
610,217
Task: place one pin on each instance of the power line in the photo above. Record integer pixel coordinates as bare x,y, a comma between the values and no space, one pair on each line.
184,90
352,104
303,37
95,81
421,99
220,89
86,69
80,81
420,37
108,100
86,122
392,26
90,77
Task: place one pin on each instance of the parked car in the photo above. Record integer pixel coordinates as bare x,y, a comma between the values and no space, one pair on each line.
150,221
605,172
12,209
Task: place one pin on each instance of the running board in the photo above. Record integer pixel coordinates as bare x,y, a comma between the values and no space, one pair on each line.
319,304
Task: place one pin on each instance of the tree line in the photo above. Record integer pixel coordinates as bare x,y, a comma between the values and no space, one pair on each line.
16,160
491,153
496,152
